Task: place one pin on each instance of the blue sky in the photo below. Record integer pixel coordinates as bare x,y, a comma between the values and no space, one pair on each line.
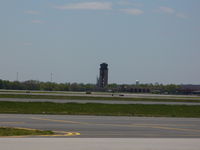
146,40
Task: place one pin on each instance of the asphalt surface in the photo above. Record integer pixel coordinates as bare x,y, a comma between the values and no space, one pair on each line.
96,101
106,126
96,94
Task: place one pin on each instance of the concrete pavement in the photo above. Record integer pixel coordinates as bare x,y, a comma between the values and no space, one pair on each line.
98,144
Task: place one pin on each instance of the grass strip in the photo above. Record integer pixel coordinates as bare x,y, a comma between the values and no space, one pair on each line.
100,109
29,96
5,131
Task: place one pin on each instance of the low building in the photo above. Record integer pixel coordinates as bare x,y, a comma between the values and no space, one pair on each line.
189,89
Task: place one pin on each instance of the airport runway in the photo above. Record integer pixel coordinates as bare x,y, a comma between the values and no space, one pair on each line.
106,126
96,94
96,101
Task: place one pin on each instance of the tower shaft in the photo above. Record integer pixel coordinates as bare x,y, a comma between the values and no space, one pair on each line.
103,75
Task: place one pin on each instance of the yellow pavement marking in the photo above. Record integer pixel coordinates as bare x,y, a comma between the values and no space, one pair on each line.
20,128
57,133
25,128
65,134
177,129
166,128
53,120
11,122
155,126
122,125
180,125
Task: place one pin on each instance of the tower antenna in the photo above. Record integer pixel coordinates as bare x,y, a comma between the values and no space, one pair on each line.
17,76
51,76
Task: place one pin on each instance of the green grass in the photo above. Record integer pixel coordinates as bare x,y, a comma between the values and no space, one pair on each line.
100,109
5,131
28,96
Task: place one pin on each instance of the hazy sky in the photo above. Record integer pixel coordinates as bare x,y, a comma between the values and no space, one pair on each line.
146,40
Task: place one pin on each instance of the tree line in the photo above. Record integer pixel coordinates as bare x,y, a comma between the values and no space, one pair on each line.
46,86
52,86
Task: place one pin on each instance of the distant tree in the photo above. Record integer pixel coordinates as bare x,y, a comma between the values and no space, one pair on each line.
51,86
1,84
7,84
171,88
31,85
16,85
74,87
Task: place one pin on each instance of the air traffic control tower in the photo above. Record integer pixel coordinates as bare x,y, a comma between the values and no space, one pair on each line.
103,75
